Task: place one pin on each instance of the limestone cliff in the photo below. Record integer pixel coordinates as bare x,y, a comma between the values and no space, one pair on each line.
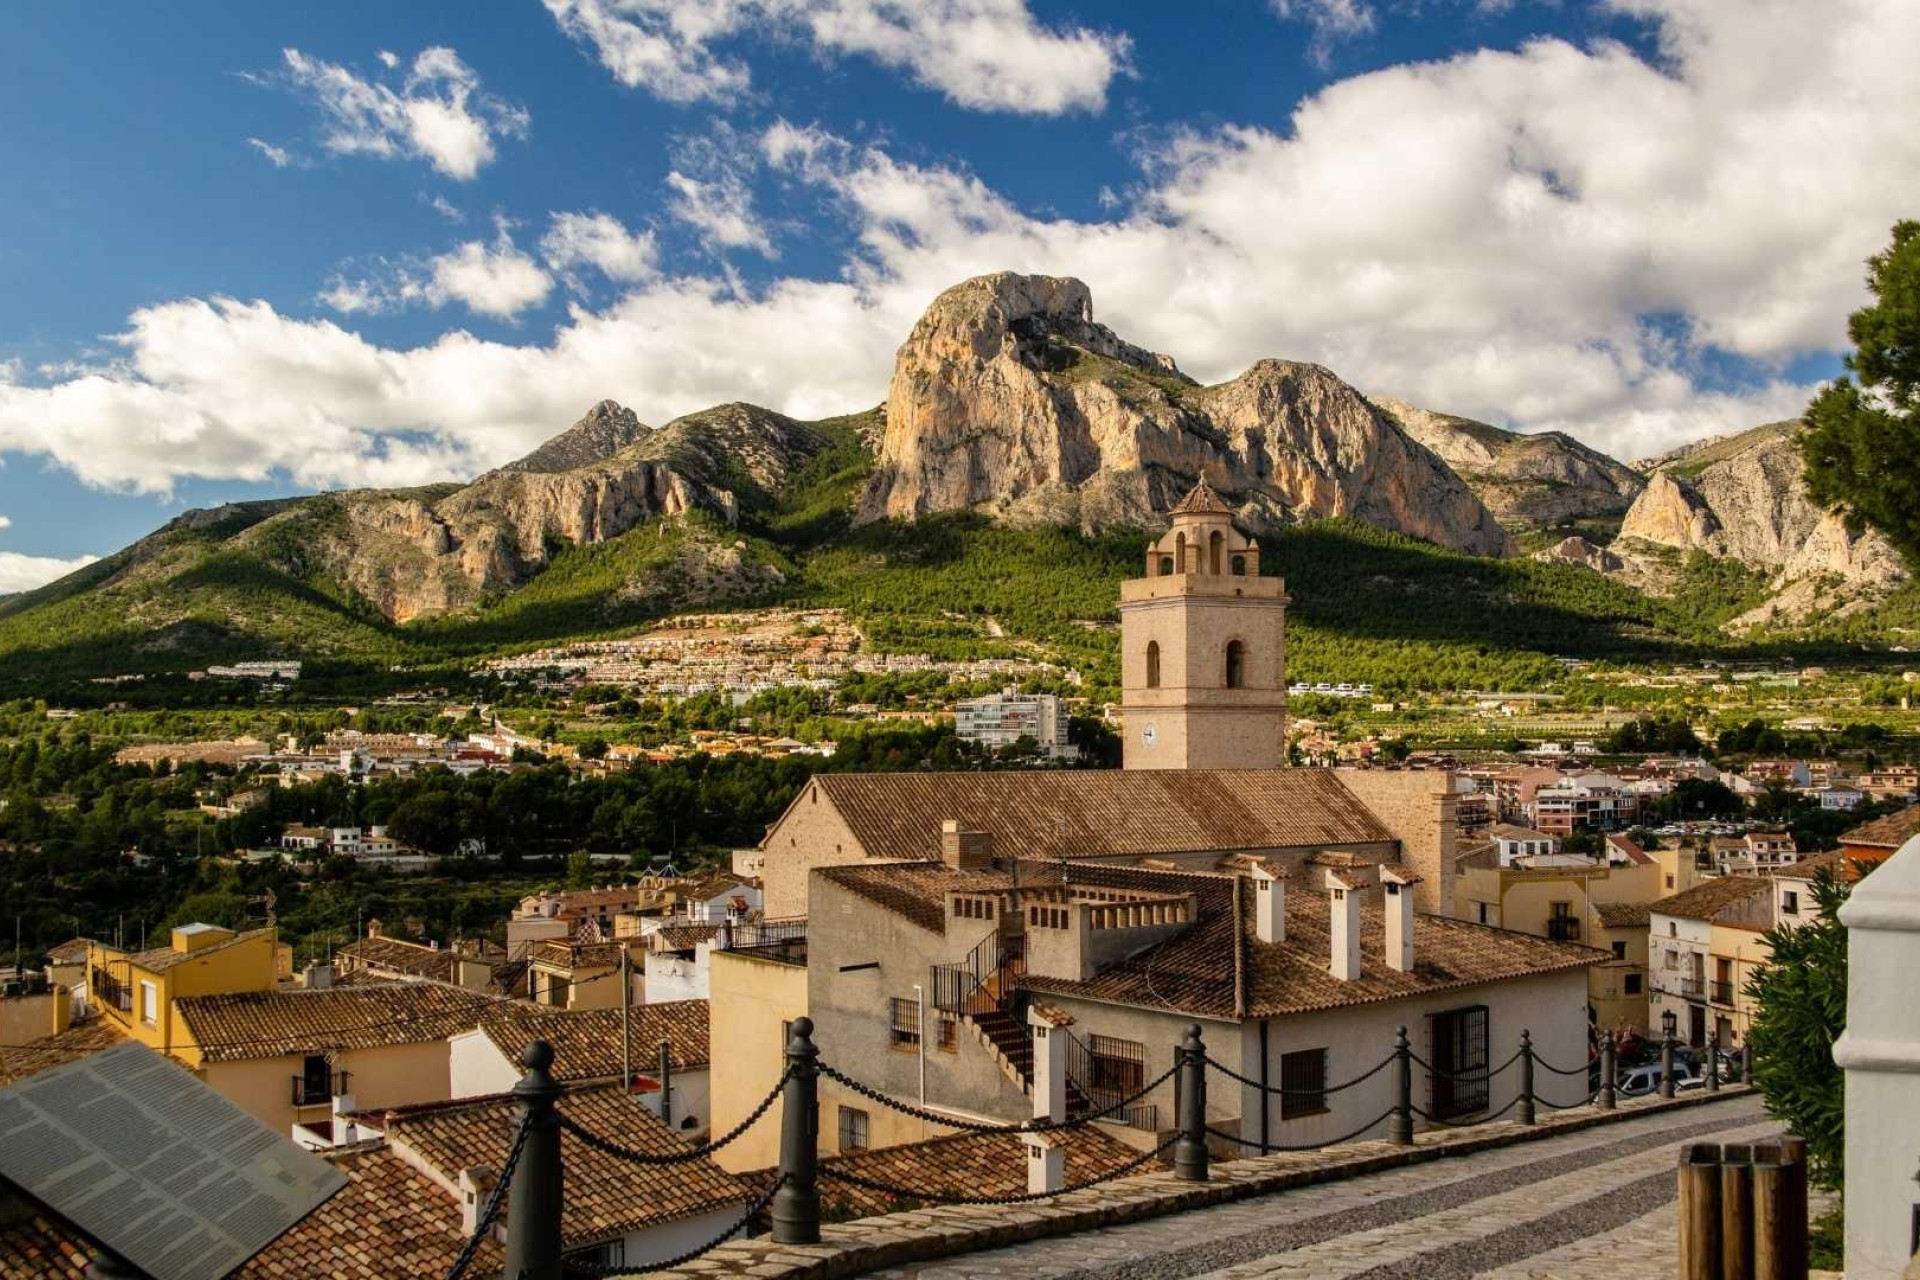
1542,479
1008,398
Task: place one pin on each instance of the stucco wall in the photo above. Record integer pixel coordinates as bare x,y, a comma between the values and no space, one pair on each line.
390,1076
751,997
476,1067
676,977
1421,810
811,833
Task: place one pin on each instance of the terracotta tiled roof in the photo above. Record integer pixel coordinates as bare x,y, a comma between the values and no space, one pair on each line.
35,1245
389,1220
580,955
1839,861
1889,832
78,1041
1710,897
586,1042
270,1024
967,1164
1621,915
399,956
72,951
160,959
916,890
605,1196
685,937
1201,500
1632,851
1512,831
1102,812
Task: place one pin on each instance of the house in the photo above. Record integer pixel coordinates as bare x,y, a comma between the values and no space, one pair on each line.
1841,797
304,839
1511,841
1585,801
615,1212
1702,946
1897,782
1755,853
564,974
1617,990
1876,841
1790,773
586,1045
379,956
1794,900
1623,851
140,991
999,720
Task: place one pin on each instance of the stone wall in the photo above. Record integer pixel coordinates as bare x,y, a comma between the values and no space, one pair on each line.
811,833
1421,809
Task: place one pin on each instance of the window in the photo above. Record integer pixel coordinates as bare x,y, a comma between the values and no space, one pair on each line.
1214,544
949,1033
1619,951
1118,1068
1239,566
904,1033
1481,915
786,1035
1153,664
1236,664
1303,1077
1669,882
1632,984
1789,903
1166,566
1460,1050
557,989
316,1084
149,1003
1673,929
853,1129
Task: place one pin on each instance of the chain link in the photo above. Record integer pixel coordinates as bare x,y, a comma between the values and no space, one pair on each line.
609,1147
1542,1063
975,1126
1466,1124
904,1193
1482,1074
492,1208
1231,1074
594,1271
1270,1149
1555,1106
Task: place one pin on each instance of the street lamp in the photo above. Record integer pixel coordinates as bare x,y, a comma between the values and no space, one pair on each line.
1668,1022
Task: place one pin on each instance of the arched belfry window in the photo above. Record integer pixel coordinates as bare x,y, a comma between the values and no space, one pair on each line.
1166,566
1236,664
1239,566
1153,664
1214,544
1180,552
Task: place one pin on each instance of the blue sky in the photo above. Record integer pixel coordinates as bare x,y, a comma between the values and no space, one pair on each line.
265,249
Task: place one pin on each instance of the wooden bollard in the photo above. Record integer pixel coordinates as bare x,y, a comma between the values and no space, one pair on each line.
1780,1211
1699,1211
1736,1212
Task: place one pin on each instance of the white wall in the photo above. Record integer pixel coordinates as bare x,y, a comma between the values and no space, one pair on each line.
1880,1051
670,977
657,1244
478,1067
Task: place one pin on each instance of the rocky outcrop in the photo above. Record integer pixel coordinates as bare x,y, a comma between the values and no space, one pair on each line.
1541,479
606,430
1009,399
1577,550
1744,498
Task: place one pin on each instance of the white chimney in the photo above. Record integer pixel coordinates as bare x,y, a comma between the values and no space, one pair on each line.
1343,911
1269,902
475,1185
1396,885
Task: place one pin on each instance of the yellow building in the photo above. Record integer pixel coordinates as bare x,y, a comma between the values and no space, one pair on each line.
1702,947
1617,989
585,975
137,990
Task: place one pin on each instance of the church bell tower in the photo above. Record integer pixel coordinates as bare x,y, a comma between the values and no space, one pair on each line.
1202,657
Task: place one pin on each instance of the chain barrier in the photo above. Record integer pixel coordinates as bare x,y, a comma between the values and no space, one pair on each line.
1468,1124
976,1126
1542,1063
1482,1074
827,1171
1555,1106
1231,1074
1272,1149
491,1209
595,1271
608,1146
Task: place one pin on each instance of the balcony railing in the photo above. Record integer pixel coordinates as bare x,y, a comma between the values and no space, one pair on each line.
319,1090
1564,928
1723,993
111,991
1689,988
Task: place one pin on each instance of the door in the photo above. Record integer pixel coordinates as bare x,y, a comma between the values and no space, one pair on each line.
1696,1026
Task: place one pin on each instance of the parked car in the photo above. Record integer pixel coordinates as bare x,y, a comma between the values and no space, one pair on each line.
1641,1081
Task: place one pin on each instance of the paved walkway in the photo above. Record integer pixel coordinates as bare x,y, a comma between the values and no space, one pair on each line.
1564,1207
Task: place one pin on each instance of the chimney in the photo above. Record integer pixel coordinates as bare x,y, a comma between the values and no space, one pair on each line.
318,975
1396,884
1269,902
1343,919
475,1184
965,850
373,928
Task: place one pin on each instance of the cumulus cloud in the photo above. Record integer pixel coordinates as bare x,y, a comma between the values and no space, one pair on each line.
1553,237
435,111
1330,20
989,55
24,573
491,279
598,240
711,192
6,522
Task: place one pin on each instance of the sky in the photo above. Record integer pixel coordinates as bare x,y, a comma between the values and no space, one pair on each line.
258,250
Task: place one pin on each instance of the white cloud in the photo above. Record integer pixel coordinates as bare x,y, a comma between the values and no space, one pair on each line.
990,55
278,157
437,111
6,522
1330,20
496,279
24,573
1486,235
598,240
445,208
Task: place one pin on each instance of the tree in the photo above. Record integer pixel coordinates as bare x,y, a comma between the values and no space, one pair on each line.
1862,446
1802,1008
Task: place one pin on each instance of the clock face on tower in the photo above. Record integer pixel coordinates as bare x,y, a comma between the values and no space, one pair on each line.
1148,733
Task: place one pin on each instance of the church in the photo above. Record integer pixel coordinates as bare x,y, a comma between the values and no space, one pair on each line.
1204,706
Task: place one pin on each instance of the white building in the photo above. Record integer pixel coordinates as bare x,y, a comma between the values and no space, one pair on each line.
1520,842
999,720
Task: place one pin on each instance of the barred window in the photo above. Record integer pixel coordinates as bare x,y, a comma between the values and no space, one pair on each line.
905,1030
949,1032
1119,1067
853,1129
1460,1049
1303,1074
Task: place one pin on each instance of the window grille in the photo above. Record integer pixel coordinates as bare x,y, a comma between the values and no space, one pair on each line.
1460,1049
853,1129
1303,1074
905,1030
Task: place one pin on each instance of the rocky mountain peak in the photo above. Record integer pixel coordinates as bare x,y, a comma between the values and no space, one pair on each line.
606,429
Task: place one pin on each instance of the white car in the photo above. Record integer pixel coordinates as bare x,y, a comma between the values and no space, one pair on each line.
1643,1080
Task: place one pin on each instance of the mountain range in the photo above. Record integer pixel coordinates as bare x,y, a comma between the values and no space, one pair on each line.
1009,404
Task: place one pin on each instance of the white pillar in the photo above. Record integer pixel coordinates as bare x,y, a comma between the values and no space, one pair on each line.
1397,895
1880,1051
1344,910
1049,1066
1046,1165
1270,904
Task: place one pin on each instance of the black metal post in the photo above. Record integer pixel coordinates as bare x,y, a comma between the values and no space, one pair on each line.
1666,1064
1400,1124
666,1082
796,1205
1713,1061
533,1197
1609,1067
1190,1149
1526,1078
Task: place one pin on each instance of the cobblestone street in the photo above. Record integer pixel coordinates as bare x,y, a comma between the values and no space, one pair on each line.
1566,1207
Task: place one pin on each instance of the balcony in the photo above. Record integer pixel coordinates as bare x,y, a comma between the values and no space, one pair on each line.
1722,994
319,1090
1688,988
1563,928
